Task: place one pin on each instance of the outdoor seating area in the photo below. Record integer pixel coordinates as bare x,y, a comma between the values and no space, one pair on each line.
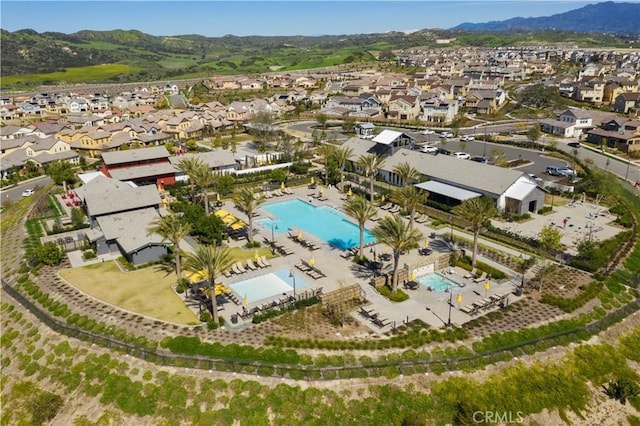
374,317
298,238
280,303
485,304
235,227
278,247
310,269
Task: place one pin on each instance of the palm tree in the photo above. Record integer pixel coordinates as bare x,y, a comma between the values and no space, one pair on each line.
476,211
342,155
410,197
326,151
394,232
188,166
247,202
361,210
370,164
407,173
210,261
203,178
171,228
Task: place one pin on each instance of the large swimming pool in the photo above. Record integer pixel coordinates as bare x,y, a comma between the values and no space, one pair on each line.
436,281
324,222
267,286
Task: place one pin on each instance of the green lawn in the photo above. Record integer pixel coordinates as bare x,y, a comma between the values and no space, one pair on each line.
146,292
72,75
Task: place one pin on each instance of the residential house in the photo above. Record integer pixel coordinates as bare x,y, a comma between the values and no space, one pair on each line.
404,107
627,103
620,133
142,166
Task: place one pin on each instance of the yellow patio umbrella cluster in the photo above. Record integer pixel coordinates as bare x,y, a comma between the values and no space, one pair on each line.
221,213
237,225
228,220
196,277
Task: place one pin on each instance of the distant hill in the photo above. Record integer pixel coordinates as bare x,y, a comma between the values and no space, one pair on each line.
608,17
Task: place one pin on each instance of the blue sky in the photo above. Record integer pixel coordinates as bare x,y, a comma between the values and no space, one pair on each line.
217,18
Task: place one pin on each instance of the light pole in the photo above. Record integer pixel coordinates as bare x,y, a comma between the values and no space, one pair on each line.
450,303
274,225
291,275
451,222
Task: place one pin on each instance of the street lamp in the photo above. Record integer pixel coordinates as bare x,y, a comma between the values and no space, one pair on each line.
291,275
274,225
450,303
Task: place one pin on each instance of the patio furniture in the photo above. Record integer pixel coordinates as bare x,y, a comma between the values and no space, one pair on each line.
235,269
251,265
394,209
481,278
380,322
263,262
471,274
240,267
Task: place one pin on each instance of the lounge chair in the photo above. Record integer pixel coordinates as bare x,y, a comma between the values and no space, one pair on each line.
386,206
471,274
228,273
251,265
394,209
240,267
481,278
235,269
263,260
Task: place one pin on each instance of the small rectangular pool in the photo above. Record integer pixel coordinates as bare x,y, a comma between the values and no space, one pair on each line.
436,281
269,285
324,222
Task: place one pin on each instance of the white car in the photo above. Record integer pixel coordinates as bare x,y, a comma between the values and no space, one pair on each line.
28,192
446,135
467,138
429,148
427,132
461,155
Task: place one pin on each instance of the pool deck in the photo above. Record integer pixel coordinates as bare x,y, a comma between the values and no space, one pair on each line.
429,306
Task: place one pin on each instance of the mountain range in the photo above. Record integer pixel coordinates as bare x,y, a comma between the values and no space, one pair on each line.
608,17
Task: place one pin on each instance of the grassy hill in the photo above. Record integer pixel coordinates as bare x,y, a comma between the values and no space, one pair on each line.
29,58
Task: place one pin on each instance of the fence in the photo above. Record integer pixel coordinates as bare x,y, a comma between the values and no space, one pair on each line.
303,372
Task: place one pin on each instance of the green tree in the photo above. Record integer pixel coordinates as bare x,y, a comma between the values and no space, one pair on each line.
225,184
342,155
174,229
407,173
370,164
77,218
410,197
361,210
549,237
499,158
203,178
188,166
394,231
210,262
476,211
50,253
534,133
248,203
349,124
325,151
61,172
322,119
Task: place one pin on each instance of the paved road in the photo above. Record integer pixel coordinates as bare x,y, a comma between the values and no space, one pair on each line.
15,193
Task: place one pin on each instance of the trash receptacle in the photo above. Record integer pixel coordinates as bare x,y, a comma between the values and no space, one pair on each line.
518,291
234,318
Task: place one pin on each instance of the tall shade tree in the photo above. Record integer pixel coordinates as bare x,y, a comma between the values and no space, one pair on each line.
395,232
476,211
326,151
410,197
172,228
407,173
209,262
203,178
361,210
370,164
248,203
342,155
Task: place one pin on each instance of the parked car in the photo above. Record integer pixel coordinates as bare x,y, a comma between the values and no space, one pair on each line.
467,138
427,132
461,155
560,171
443,151
446,135
28,192
429,148
535,178
574,144
483,160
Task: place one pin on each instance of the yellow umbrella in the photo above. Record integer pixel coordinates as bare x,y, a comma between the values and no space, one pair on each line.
299,235
382,198
412,277
486,288
426,243
320,191
282,185
312,261
245,301
228,220
220,288
222,213
459,299
312,180
349,193
256,256
238,225
218,197
196,277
